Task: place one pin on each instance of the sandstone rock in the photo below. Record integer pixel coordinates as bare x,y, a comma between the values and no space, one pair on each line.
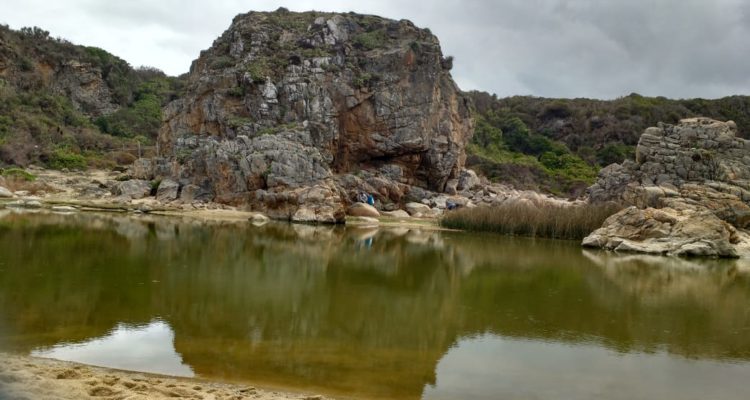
674,155
304,214
5,193
665,231
168,190
191,193
142,168
697,173
396,214
417,208
134,188
363,210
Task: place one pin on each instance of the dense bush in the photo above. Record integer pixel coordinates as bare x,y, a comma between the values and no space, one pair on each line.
66,159
505,150
371,40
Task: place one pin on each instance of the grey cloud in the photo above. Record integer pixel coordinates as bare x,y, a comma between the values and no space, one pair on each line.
555,48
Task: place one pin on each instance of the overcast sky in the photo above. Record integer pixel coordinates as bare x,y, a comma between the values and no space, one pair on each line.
551,48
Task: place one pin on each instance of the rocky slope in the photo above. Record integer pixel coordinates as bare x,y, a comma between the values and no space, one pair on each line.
689,188
295,113
61,105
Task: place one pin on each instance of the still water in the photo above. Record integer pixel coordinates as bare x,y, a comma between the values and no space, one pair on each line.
372,314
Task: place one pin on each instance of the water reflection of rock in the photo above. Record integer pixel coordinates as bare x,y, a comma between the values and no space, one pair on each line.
658,280
310,306
691,307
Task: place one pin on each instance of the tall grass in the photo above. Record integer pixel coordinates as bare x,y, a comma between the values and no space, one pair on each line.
529,219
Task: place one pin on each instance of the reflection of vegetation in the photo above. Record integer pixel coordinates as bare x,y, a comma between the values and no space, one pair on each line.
304,306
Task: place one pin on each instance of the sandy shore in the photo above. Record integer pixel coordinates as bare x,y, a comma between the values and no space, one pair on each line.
31,378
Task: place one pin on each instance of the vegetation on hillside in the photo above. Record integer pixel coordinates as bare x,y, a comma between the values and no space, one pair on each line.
505,149
606,131
40,124
598,132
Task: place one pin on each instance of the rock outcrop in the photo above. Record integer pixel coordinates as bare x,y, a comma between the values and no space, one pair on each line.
295,113
694,174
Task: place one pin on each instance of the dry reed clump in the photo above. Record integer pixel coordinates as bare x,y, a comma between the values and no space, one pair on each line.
529,219
16,179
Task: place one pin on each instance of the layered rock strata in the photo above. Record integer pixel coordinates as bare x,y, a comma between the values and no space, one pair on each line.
689,187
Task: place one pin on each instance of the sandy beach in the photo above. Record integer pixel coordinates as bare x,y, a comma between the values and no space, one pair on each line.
30,378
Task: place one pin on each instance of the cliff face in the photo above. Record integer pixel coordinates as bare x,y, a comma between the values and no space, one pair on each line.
287,109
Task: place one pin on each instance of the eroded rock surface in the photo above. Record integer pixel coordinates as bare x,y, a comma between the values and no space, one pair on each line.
295,113
689,186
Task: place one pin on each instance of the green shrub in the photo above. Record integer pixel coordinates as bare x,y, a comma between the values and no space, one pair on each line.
66,159
371,40
18,173
237,91
26,65
258,71
365,79
222,62
614,153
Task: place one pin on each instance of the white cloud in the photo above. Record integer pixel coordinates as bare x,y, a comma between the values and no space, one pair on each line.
557,48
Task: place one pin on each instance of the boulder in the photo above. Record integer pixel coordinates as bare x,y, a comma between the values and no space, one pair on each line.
362,210
317,204
417,208
396,214
666,231
468,180
5,193
698,173
134,188
191,193
168,190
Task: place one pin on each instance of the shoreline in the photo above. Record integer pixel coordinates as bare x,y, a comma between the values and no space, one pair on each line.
72,191
32,378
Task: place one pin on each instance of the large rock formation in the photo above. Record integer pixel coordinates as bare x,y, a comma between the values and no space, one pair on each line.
296,112
697,173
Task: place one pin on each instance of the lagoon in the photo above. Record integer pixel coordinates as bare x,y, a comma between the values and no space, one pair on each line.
366,313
